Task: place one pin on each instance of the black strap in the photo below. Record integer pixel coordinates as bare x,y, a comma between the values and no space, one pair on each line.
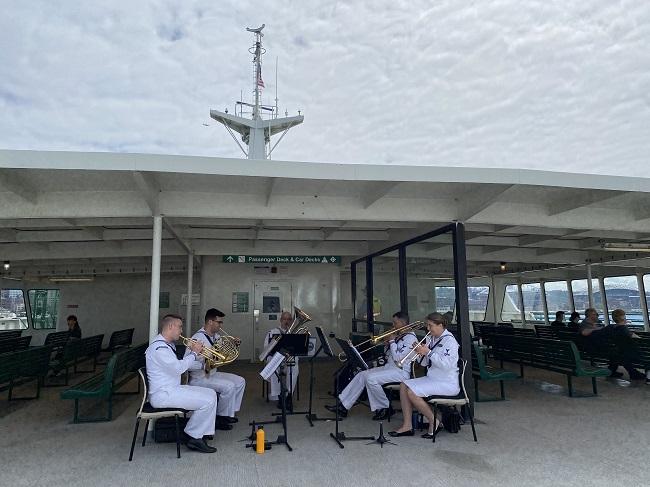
209,339
169,345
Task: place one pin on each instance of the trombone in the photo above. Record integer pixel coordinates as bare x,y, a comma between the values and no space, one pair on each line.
402,330
407,358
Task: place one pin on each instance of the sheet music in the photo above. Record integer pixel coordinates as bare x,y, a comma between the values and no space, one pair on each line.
272,366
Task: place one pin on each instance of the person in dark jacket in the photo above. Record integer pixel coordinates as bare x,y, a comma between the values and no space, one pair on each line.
559,320
574,321
74,331
624,351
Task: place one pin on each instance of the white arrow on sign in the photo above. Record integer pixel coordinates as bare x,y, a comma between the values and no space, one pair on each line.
229,258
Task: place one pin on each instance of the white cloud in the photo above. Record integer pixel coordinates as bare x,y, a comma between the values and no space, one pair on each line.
545,85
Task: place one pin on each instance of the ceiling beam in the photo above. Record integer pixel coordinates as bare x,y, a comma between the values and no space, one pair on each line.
150,189
270,187
374,191
12,182
474,202
575,201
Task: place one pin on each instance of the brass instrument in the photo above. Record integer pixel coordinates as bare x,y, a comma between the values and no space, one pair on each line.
407,357
224,351
300,319
402,330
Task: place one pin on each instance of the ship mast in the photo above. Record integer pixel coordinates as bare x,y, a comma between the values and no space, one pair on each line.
255,130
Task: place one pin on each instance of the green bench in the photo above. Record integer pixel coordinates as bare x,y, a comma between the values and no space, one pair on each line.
121,368
15,344
486,373
10,334
545,331
23,366
74,352
553,355
89,349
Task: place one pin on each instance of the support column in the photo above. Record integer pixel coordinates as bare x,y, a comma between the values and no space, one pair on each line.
643,302
590,288
542,287
522,311
155,277
190,281
603,299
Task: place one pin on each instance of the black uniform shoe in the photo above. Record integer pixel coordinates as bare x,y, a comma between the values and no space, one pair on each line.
403,433
208,437
382,414
227,419
223,426
342,411
200,445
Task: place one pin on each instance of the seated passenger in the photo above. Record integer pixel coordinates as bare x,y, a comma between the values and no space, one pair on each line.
625,350
574,322
591,323
440,355
74,331
559,320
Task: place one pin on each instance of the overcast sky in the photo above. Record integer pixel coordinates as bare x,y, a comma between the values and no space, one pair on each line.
552,84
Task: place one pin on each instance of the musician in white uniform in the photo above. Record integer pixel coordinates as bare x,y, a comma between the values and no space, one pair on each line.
291,372
229,387
439,353
373,379
164,371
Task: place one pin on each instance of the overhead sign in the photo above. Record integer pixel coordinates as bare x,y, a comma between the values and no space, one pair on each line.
282,259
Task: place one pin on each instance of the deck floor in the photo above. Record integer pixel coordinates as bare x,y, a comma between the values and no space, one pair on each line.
539,436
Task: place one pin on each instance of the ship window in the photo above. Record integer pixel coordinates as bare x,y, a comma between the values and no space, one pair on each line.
533,304
13,315
477,299
44,304
623,292
581,298
511,307
557,298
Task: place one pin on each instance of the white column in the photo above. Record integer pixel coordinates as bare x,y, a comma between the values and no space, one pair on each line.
603,299
522,311
571,298
190,279
542,287
642,299
590,289
155,277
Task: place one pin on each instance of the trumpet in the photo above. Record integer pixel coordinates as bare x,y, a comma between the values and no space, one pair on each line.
402,330
408,357
223,352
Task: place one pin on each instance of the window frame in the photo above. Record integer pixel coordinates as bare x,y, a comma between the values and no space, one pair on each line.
31,315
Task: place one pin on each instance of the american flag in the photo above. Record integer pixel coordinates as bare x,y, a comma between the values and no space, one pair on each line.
260,82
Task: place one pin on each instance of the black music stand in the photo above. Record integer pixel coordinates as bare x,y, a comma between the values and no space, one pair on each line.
299,353
324,346
289,345
351,354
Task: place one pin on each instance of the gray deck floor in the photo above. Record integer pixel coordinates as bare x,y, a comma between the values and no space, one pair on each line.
539,436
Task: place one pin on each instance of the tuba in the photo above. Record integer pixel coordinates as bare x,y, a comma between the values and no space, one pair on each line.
297,327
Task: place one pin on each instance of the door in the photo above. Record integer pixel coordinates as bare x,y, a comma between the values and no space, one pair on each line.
271,298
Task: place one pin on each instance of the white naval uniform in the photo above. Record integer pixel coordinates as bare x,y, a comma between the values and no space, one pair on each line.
373,379
230,387
291,372
165,390
442,372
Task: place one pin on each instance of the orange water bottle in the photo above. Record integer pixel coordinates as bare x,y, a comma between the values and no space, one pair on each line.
259,440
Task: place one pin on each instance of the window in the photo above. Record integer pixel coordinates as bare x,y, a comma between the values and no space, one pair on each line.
581,298
445,299
533,304
477,297
557,298
646,286
13,315
510,309
623,292
44,304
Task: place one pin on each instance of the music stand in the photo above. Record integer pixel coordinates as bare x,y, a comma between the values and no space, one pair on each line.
325,347
289,345
352,354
